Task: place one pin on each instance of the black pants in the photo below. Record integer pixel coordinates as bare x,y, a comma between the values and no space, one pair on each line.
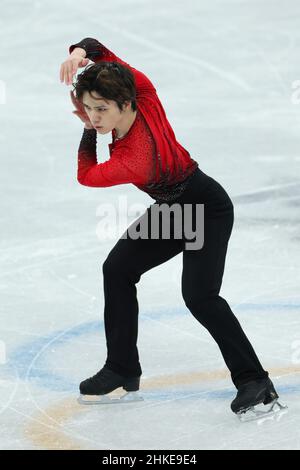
201,282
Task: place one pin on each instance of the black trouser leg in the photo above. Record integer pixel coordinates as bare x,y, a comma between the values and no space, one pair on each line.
122,270
201,282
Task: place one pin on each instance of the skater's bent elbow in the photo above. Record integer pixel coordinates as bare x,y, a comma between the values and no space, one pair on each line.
83,181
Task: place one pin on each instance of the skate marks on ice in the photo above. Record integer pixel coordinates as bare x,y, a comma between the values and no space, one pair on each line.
276,191
196,63
8,390
48,428
51,428
157,390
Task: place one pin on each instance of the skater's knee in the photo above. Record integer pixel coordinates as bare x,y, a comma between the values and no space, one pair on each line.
109,266
113,268
199,302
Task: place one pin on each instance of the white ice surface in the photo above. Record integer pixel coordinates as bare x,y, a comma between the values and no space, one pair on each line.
224,71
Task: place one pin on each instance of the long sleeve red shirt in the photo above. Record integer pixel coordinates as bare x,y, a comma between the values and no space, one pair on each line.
148,156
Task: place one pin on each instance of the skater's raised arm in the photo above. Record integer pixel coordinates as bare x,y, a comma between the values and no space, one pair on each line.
92,49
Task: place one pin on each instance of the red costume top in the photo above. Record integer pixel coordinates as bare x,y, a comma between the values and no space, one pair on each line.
149,155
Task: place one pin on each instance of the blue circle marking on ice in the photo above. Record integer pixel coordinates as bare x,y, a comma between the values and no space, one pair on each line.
30,359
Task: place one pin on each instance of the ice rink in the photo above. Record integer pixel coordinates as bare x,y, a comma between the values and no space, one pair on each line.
226,72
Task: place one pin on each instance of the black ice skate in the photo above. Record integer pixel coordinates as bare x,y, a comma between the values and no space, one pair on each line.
254,393
95,390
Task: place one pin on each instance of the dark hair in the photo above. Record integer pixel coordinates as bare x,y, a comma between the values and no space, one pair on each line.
110,80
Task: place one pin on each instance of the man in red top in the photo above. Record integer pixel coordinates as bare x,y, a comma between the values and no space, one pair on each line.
112,96
161,163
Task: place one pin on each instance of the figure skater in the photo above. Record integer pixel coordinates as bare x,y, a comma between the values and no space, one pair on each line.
112,96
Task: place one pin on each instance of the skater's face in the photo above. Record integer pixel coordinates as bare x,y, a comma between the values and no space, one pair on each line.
104,114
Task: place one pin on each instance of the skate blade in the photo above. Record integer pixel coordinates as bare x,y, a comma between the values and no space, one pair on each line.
128,397
254,413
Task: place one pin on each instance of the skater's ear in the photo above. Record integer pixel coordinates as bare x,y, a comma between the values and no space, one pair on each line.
126,105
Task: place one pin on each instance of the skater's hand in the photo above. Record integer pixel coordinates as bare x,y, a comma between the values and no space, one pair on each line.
70,66
80,111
